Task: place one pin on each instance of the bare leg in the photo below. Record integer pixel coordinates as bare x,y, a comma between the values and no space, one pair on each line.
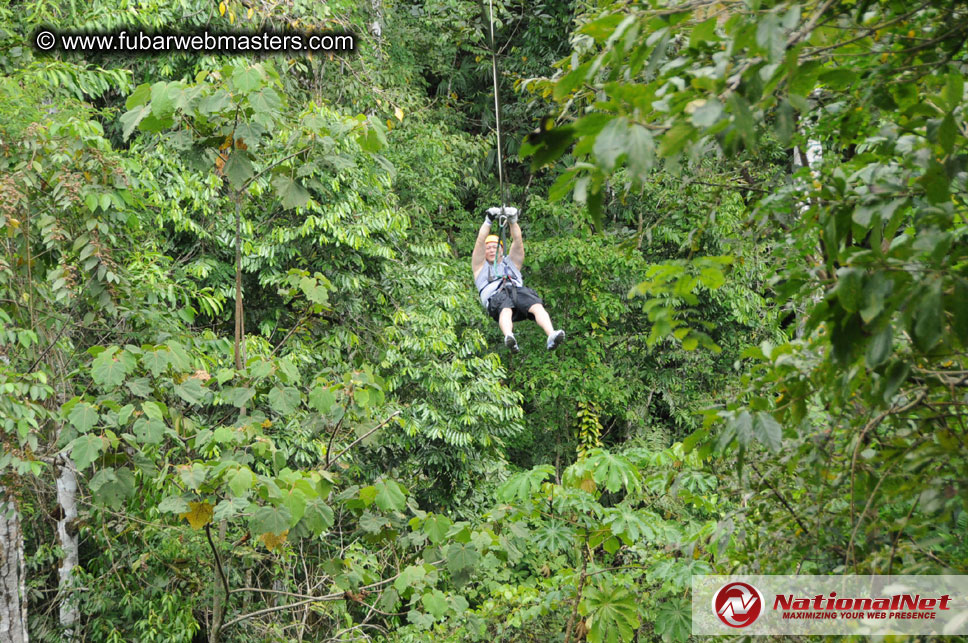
504,321
541,318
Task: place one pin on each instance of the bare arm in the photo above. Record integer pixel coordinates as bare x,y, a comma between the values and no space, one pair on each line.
477,257
516,252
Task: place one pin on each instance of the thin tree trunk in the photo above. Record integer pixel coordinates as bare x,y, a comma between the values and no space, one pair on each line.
239,323
67,537
13,590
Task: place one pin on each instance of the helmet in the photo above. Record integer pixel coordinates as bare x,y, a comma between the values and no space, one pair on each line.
492,238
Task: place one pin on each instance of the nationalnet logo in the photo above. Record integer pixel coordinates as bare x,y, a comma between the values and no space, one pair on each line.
830,605
738,604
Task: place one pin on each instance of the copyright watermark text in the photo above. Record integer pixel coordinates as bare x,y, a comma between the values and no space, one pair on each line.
202,42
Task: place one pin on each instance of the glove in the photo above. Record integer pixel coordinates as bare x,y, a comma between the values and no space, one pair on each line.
509,211
487,219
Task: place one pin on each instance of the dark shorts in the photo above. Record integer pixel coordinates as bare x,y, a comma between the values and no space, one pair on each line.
518,298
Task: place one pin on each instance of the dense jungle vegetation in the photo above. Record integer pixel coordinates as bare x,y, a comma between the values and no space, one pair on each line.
249,392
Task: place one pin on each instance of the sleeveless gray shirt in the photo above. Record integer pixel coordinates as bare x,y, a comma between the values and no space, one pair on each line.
488,280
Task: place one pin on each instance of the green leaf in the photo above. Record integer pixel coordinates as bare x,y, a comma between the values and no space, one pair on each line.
610,143
112,487
290,191
389,496
461,558
229,508
675,139
246,81
410,576
295,501
162,99
322,399
110,368
850,285
238,395
284,400
436,527
876,290
712,277
743,425
148,431
742,117
611,611
839,78
192,391
173,504
238,168
954,91
318,515
553,536
125,414
880,347
153,410
215,102
242,481
156,361
959,305
85,449
131,119
674,619
138,97
935,183
613,470
193,476
769,36
83,416
435,602
268,519
707,114
521,486
895,376
928,327
266,101
641,151
768,431
703,33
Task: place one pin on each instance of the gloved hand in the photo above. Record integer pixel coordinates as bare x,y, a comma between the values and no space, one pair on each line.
509,211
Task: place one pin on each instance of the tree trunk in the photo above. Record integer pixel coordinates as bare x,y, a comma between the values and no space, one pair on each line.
67,537
13,593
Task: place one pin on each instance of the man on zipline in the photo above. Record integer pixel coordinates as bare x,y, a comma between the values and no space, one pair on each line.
499,283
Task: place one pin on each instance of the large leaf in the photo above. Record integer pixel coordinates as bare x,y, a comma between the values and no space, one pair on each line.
390,496
238,168
673,620
436,527
612,470
269,519
290,191
110,367
768,431
612,614
284,400
83,416
522,485
85,449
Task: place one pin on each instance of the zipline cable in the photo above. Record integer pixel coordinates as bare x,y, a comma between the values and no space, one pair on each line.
497,110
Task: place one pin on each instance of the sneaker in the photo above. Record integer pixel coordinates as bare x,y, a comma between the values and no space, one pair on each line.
555,339
511,343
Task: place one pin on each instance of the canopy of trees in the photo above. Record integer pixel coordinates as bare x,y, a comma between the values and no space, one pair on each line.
249,392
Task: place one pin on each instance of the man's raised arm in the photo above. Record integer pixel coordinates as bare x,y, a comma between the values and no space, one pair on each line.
516,252
477,257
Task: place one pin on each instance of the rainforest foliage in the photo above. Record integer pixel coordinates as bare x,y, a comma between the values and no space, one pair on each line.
237,306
